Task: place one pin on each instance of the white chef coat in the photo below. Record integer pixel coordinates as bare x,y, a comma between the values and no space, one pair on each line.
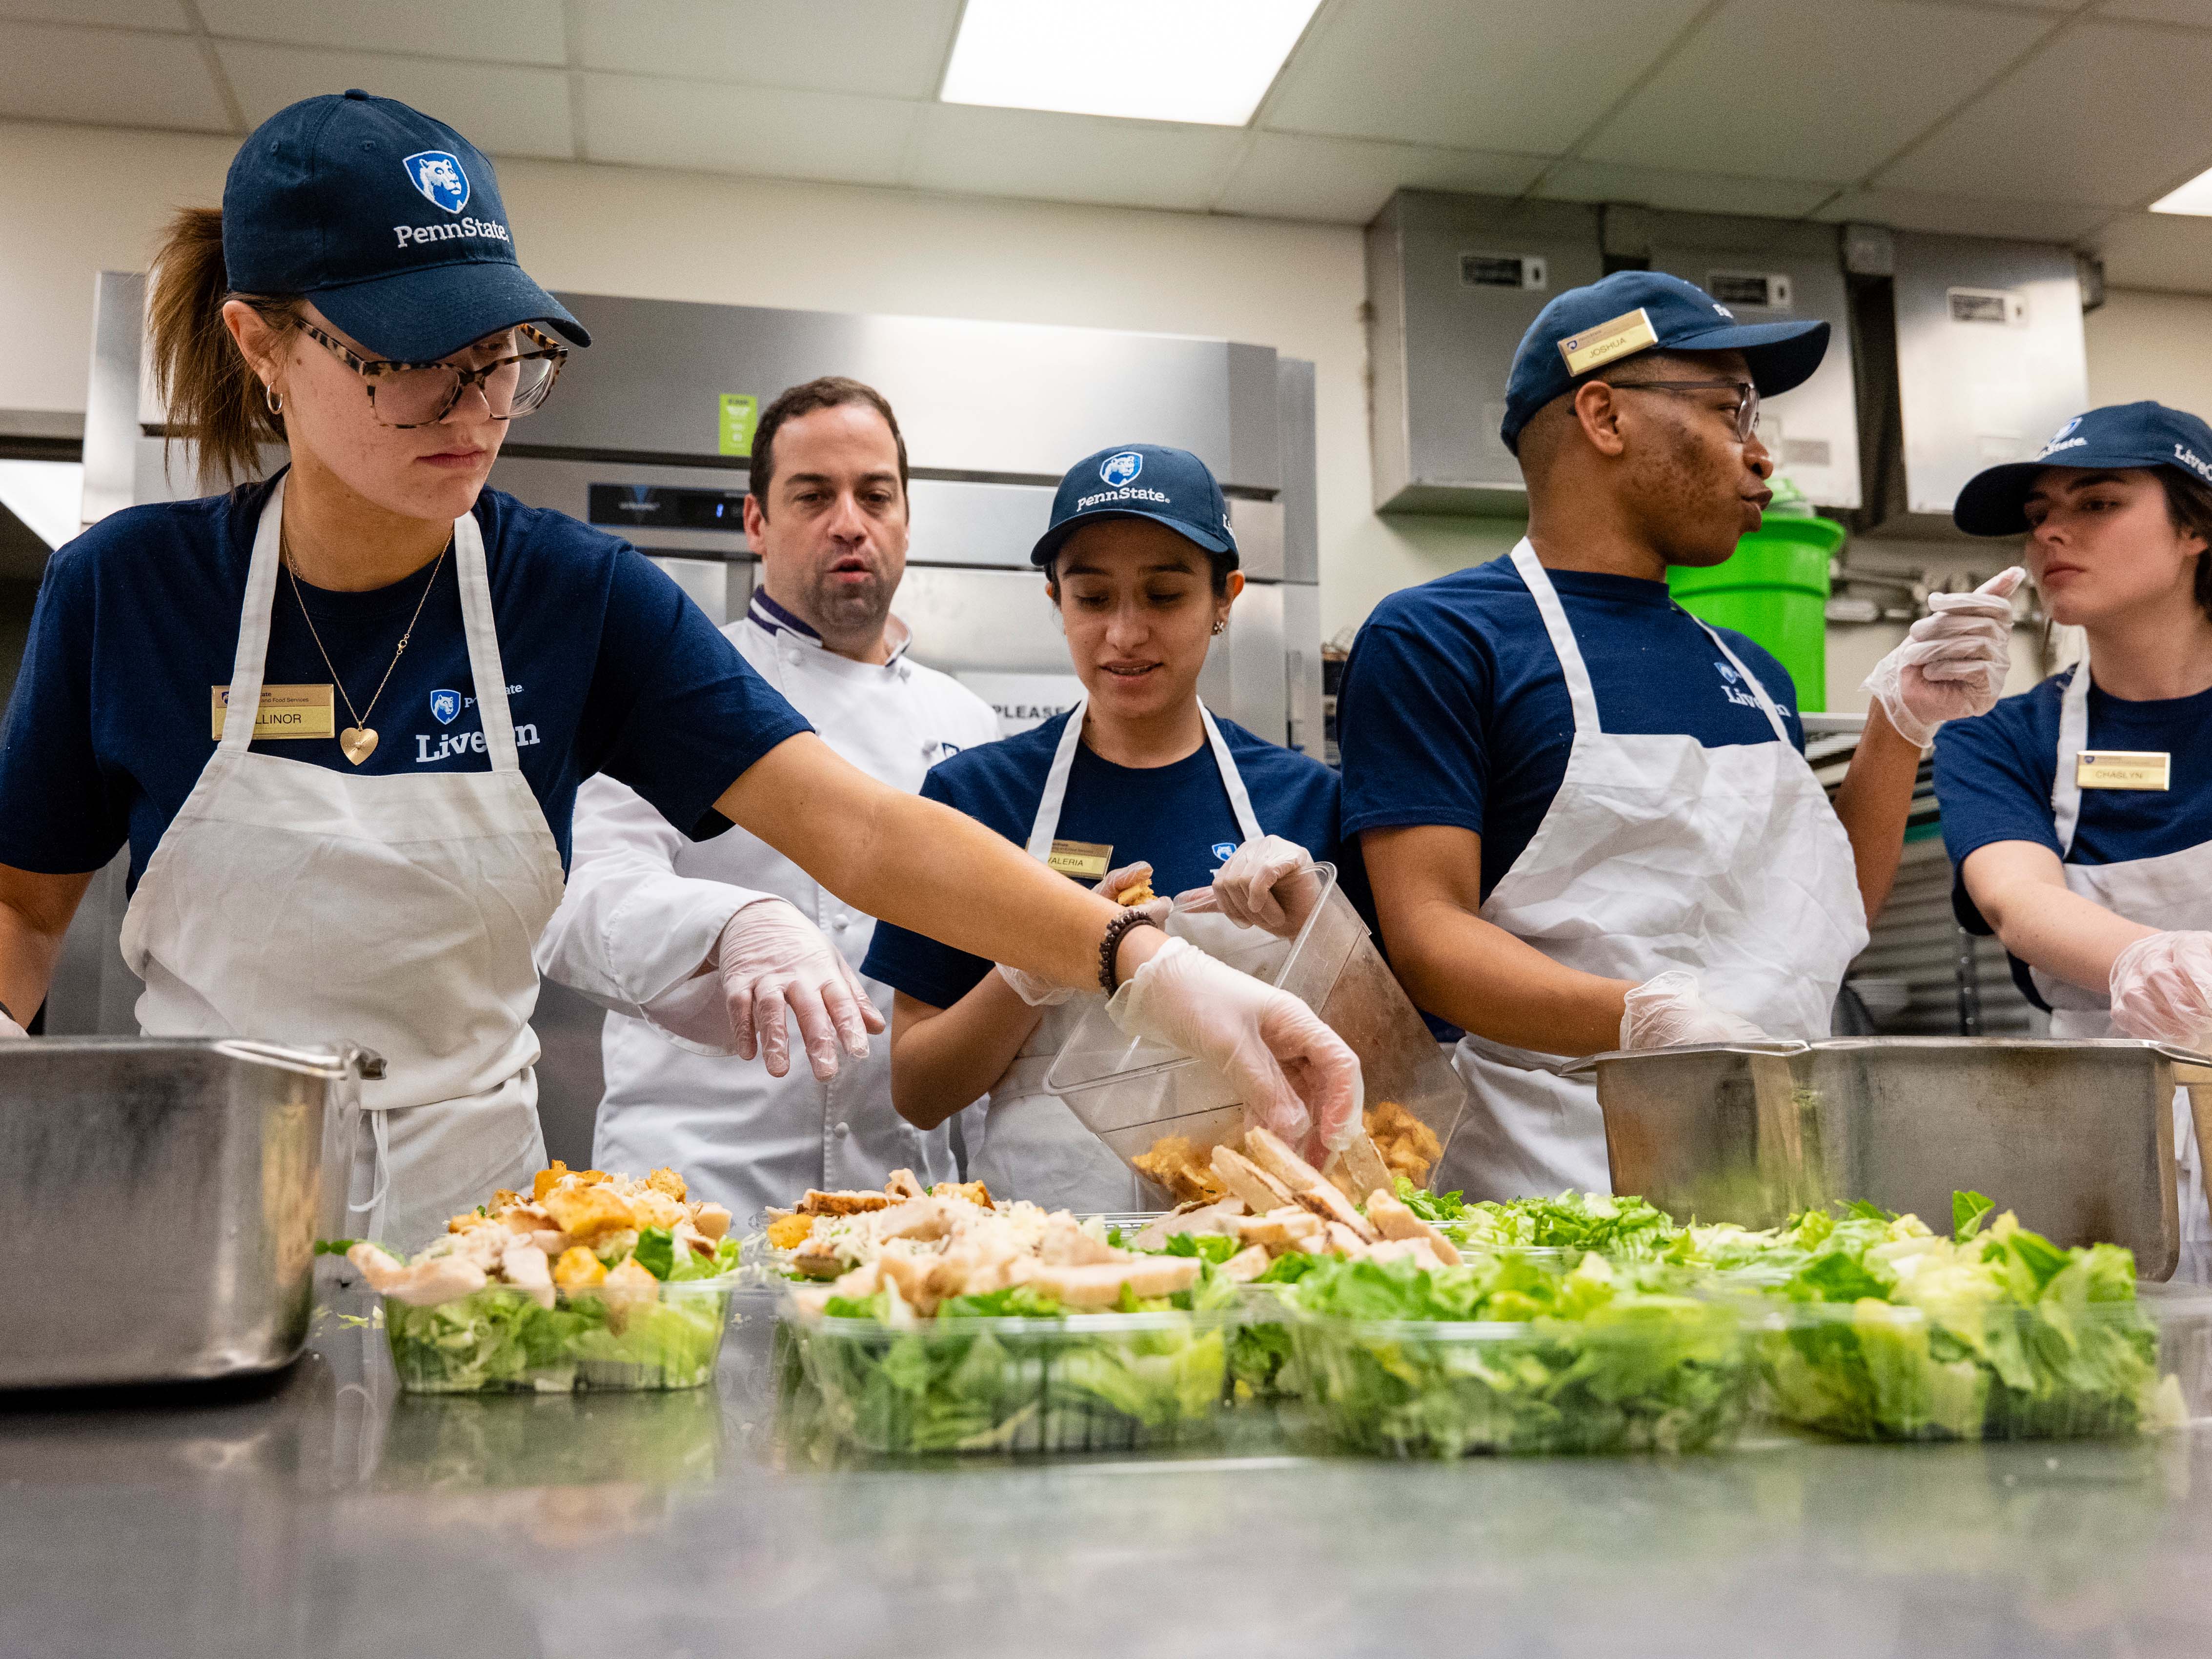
646,904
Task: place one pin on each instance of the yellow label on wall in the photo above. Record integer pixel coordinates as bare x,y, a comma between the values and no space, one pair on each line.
1081,858
2122,769
286,711
1596,347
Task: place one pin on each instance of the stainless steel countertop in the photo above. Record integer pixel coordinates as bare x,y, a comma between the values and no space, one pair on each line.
328,1515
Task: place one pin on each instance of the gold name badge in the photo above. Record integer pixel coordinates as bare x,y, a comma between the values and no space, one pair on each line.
286,711
1081,858
2122,769
1596,347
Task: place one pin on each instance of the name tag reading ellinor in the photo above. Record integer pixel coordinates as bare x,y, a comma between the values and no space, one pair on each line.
2122,769
1594,347
1081,858
286,711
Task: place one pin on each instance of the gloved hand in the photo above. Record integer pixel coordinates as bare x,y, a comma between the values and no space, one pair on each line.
2162,990
10,1029
773,960
1670,1008
1298,1078
1954,661
1245,889
1041,993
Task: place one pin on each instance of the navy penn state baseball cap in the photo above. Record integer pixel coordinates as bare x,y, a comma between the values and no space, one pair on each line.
1171,487
1994,500
389,220
1587,329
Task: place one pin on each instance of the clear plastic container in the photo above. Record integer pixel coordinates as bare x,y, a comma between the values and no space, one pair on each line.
1085,1383
1879,1371
1424,1388
1137,1095
499,1339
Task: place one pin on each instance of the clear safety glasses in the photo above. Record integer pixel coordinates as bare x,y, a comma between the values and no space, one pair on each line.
1746,409
423,394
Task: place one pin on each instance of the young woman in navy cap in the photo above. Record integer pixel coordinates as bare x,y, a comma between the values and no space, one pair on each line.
1138,783
364,835
2078,815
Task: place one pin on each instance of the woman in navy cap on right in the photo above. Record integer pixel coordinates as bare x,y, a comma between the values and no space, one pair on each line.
2078,815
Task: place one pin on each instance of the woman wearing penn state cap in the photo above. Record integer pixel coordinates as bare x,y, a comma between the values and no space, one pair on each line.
1585,814
1139,785
419,672
2078,815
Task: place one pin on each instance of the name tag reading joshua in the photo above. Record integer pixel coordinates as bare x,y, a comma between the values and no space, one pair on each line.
2121,768
1081,858
286,711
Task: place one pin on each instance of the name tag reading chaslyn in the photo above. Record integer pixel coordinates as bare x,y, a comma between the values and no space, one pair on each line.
286,711
1081,858
2122,769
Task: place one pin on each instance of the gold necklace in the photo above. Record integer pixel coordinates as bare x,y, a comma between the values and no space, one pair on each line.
358,741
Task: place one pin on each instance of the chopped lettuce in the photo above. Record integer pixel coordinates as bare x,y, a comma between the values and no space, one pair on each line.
1626,1229
499,1338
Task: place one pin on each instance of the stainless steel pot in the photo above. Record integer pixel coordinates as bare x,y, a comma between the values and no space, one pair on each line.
160,1200
2077,1137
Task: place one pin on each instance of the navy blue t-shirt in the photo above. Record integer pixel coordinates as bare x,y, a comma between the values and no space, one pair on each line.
609,668
1454,709
1994,775
1176,817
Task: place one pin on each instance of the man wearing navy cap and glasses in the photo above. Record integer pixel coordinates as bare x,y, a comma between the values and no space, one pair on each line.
1586,815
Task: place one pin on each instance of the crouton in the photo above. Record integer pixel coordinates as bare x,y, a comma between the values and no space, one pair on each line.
1408,1145
651,1207
578,1269
1260,1191
1173,1162
667,1180
1140,893
588,1212
787,1232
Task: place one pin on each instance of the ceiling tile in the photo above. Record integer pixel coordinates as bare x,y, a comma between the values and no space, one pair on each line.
506,110
885,48
2196,13
1071,158
1905,210
107,78
121,13
1520,79
763,130
1347,180
1757,89
1686,192
2113,113
2157,250
501,31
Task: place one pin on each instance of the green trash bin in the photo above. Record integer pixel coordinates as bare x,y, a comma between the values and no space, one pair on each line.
1776,589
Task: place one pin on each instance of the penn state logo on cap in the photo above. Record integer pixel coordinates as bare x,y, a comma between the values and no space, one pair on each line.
1120,471
443,705
1222,849
1727,673
437,174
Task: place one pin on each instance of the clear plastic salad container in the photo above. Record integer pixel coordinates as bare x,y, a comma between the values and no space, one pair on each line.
1883,1370
1139,1096
500,1339
1671,1379
1086,1382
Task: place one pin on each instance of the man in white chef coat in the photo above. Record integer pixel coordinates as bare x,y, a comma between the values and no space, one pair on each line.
647,908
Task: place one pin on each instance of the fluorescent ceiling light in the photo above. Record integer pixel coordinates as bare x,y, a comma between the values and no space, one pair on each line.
1208,61
2195,197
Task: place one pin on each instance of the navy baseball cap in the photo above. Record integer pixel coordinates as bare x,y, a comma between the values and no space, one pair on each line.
390,221
1995,501
1171,487
1586,328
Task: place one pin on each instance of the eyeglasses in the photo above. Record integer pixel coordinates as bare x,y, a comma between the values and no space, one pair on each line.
1746,409
423,394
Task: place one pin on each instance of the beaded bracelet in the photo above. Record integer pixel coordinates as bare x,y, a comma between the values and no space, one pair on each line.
1110,947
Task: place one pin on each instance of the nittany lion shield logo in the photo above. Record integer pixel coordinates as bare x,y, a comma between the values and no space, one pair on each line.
1121,471
437,174
445,705
1222,849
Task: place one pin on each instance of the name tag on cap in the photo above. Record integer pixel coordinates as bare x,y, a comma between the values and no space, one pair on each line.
286,711
1081,858
2121,768
1594,347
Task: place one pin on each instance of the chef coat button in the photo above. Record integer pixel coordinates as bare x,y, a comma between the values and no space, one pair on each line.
842,1130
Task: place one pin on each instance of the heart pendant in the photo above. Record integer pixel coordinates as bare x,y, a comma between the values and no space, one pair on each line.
358,743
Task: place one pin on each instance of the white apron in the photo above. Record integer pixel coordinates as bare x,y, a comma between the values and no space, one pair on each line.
1657,852
1033,1146
290,902
2171,891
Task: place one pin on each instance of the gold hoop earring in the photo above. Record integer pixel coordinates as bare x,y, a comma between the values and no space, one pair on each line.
276,403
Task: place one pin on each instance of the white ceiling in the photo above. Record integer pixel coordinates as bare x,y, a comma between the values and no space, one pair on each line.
2057,119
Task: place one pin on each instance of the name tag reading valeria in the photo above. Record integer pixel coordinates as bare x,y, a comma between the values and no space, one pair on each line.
2121,768
286,711
1081,858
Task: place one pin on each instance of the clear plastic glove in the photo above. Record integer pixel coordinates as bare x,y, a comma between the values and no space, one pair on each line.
1298,1078
1245,888
10,1029
1953,663
2162,990
1041,993
774,964
1671,1009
